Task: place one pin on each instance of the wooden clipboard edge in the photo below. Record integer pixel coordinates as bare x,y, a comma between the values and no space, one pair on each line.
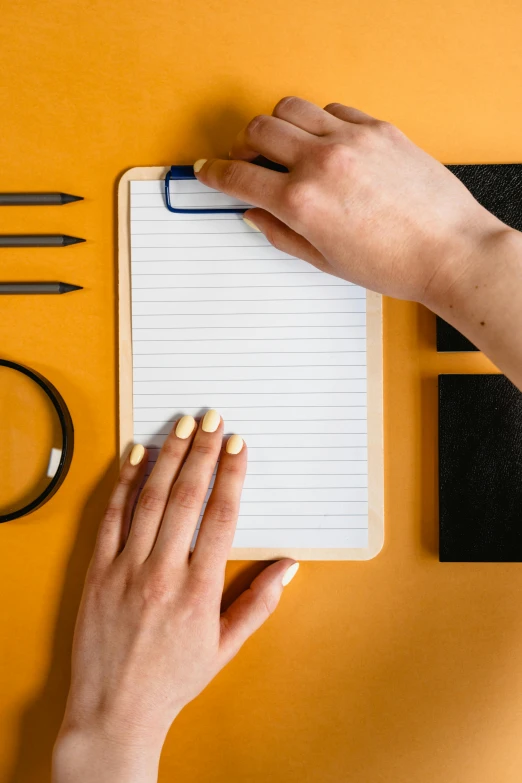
126,429
375,394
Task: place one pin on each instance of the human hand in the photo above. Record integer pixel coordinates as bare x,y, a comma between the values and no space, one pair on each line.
149,635
359,201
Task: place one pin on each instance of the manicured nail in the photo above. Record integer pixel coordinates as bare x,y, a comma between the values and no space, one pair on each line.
249,223
198,165
234,444
211,421
136,454
185,427
289,574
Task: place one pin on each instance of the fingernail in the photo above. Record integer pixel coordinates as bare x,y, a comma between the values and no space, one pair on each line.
210,421
252,225
198,165
234,444
185,427
136,454
289,574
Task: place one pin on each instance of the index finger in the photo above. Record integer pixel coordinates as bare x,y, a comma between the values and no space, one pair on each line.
246,181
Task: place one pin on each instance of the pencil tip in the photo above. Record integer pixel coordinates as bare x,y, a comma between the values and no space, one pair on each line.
68,199
72,240
66,287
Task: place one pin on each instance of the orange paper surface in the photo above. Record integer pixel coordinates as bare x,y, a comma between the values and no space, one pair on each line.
396,670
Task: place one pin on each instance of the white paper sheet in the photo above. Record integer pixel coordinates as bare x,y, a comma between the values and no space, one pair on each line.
221,319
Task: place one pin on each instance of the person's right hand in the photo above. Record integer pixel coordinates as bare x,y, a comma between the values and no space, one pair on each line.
360,200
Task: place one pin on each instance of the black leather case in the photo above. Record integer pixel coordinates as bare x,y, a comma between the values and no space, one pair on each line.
498,187
480,469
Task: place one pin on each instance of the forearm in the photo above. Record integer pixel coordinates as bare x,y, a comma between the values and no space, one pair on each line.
79,758
482,298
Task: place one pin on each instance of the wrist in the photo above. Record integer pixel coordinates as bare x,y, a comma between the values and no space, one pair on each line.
466,264
88,756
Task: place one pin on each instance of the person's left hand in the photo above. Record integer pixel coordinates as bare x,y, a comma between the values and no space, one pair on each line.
150,635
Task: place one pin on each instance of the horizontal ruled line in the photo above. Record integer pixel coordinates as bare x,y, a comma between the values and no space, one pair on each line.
240,394
297,489
196,274
185,193
241,366
267,326
241,380
184,247
241,407
238,339
316,312
209,260
224,353
195,233
200,301
185,287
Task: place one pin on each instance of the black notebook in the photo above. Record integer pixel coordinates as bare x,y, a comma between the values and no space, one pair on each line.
498,187
480,469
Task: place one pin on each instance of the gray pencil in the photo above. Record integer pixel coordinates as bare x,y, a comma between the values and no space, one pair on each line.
37,240
36,199
38,288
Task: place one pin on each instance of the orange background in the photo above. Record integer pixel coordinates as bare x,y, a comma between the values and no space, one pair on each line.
397,670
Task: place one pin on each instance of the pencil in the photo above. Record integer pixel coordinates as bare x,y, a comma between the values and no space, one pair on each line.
38,288
36,199
37,240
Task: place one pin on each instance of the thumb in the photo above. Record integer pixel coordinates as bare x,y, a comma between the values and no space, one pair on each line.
284,238
254,606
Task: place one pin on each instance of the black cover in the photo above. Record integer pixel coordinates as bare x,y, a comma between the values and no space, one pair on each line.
480,469
498,187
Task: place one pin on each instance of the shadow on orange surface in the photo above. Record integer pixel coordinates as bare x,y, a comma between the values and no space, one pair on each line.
42,718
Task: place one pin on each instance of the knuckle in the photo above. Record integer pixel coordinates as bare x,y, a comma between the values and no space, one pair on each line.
171,447
256,124
203,447
231,468
334,156
298,198
387,129
200,586
288,102
223,510
126,479
273,236
100,581
156,589
230,176
151,500
112,514
268,602
187,494
334,105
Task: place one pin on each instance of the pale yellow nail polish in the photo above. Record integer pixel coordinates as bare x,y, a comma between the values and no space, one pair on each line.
234,444
289,574
136,454
210,421
198,165
185,427
251,224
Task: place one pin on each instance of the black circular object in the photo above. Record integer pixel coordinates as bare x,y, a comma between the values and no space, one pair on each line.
67,430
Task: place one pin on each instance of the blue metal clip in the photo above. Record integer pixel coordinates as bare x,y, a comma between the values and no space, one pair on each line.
185,173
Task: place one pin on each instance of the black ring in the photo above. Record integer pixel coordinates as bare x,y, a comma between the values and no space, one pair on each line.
67,440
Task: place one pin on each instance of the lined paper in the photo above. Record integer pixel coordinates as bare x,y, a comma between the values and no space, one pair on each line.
221,319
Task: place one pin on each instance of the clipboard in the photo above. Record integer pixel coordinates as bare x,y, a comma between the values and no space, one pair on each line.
374,384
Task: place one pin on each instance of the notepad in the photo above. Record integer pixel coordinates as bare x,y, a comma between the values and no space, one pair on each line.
221,319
